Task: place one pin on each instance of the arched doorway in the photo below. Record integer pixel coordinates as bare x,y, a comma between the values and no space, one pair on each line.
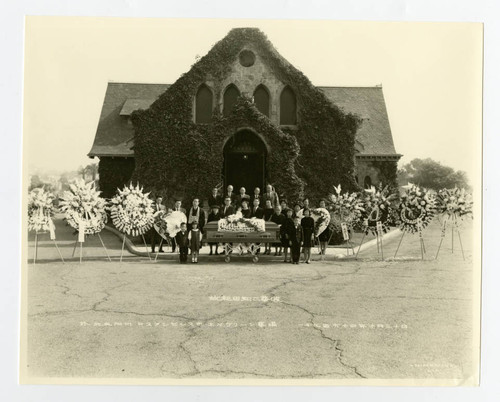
244,161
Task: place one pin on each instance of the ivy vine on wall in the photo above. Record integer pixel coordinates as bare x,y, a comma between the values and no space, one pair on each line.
179,158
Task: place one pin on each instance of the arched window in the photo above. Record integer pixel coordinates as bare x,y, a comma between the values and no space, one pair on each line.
204,105
231,94
368,182
261,99
288,107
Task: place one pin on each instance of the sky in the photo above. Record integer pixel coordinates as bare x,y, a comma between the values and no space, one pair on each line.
431,74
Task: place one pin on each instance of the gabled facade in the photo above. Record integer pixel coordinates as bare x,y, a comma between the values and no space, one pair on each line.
243,116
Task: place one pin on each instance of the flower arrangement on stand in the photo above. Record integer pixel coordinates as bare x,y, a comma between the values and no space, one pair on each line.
377,208
347,208
416,211
84,210
132,211
453,205
41,209
83,207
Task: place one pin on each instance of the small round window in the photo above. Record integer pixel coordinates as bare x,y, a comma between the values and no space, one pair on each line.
247,58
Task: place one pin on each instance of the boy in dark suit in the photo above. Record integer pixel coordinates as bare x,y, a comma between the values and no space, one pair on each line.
296,239
183,243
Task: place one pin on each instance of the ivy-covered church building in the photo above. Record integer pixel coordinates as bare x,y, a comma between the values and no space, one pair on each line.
243,115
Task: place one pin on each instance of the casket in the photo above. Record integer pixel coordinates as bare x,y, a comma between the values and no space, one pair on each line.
270,235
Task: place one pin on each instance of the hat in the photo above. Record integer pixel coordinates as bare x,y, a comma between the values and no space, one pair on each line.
214,206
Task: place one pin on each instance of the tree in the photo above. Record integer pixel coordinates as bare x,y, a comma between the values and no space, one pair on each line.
431,174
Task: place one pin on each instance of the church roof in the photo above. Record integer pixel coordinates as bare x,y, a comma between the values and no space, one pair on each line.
114,136
115,133
374,136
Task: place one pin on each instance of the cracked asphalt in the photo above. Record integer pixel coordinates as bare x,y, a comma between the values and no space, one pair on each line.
333,319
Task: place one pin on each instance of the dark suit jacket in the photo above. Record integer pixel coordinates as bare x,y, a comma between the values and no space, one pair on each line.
240,199
297,235
213,217
257,213
229,211
233,198
215,201
247,213
182,239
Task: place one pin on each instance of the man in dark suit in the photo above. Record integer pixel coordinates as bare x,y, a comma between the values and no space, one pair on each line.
256,194
215,198
227,209
177,207
257,211
230,194
214,216
155,237
242,196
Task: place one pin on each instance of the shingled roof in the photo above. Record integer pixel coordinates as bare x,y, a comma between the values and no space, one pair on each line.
115,133
374,136
114,136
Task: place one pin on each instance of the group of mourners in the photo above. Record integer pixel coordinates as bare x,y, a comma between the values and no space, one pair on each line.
296,224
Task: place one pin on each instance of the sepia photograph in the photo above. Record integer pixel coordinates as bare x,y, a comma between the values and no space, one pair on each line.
277,202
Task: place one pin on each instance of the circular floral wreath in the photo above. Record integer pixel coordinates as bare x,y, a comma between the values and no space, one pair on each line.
321,218
40,210
83,207
417,209
377,208
132,211
455,204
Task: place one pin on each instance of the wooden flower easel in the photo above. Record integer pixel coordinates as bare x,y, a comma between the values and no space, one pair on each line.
52,237
40,211
84,226
84,211
376,226
454,206
454,227
416,211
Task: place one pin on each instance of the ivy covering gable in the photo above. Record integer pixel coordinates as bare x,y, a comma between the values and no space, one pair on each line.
179,158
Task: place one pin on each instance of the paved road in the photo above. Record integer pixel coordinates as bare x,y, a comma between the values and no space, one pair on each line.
339,318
